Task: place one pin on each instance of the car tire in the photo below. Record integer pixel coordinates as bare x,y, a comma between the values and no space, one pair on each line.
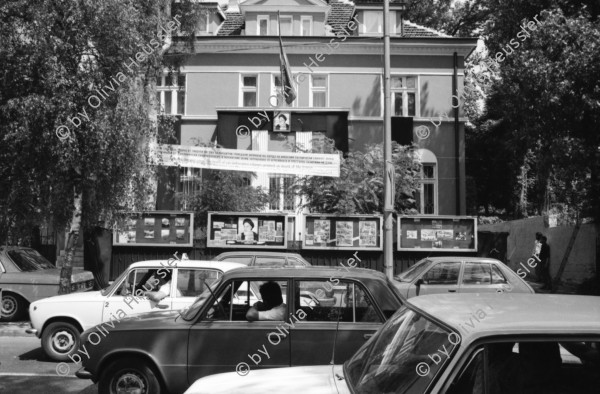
13,307
61,340
128,374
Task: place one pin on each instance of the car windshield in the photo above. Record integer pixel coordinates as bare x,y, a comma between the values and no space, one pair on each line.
29,260
403,357
410,274
117,282
190,312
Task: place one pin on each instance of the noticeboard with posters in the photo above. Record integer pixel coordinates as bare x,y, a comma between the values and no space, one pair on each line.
349,232
159,228
437,233
247,230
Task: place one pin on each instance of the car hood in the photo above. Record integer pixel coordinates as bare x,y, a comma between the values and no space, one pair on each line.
47,276
314,380
73,297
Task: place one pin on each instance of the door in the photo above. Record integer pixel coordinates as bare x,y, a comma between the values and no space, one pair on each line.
137,281
318,304
190,283
222,340
441,278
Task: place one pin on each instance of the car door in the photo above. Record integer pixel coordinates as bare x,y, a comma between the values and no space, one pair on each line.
190,283
477,278
314,326
442,277
137,281
222,340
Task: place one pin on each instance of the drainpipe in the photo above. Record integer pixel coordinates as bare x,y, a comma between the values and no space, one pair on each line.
456,134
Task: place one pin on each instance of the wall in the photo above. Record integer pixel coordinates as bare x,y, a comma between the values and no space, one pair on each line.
582,260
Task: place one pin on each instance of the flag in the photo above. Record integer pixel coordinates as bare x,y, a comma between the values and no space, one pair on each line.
288,91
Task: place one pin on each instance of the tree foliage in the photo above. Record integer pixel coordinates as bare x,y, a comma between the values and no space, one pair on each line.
360,187
56,55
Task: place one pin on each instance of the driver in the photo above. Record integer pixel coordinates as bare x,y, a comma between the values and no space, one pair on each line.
272,306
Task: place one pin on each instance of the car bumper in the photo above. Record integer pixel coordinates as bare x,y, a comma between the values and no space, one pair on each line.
83,374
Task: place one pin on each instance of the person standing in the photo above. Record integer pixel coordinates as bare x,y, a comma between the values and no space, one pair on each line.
545,264
537,247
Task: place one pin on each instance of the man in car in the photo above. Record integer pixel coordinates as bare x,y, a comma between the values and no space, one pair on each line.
271,307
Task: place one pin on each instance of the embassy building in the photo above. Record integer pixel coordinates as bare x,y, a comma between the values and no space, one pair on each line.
230,81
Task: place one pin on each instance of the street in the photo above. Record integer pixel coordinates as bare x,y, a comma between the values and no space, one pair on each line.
25,369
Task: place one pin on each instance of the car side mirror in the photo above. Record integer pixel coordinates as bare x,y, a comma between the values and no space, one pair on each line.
418,283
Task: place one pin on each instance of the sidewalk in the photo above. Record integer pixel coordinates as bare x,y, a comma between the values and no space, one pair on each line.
15,329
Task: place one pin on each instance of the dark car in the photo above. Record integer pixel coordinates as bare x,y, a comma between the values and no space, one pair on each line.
168,350
264,259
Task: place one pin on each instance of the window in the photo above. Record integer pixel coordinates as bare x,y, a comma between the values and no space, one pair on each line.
203,23
477,274
263,25
281,195
497,276
286,25
318,91
190,184
140,280
306,25
324,300
265,261
372,22
404,95
192,282
442,274
427,196
238,259
171,94
249,90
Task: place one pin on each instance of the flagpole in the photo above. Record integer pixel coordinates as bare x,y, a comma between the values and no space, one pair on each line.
388,206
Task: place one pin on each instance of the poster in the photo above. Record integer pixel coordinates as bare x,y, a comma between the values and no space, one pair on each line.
348,232
243,230
428,235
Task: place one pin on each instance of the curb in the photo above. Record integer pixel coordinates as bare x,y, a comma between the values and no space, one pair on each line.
15,330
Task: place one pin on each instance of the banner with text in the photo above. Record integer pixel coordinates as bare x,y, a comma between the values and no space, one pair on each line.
320,164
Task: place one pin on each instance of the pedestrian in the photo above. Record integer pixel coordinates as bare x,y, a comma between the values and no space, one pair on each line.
545,264
537,247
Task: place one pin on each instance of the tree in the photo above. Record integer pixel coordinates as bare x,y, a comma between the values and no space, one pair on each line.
359,189
76,85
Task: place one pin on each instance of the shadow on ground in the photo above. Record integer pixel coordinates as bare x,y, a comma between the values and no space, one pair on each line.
46,385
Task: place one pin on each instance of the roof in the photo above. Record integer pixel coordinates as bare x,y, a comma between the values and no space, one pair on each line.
307,272
259,252
221,265
340,14
477,315
461,258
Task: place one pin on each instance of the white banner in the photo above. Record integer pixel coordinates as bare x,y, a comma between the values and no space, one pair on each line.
320,164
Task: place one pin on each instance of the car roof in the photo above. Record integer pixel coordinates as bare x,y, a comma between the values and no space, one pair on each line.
259,252
477,315
462,258
305,272
221,265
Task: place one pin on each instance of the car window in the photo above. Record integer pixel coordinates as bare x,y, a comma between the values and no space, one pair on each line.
239,259
497,275
470,380
325,300
192,282
29,260
413,272
267,261
442,274
141,280
294,262
477,274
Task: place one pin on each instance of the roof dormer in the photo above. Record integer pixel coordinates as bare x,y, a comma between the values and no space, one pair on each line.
296,17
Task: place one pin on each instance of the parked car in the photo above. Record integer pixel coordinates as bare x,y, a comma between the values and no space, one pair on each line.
520,343
26,276
165,351
459,275
59,320
264,259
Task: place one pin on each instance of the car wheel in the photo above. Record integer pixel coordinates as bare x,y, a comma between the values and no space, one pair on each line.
13,307
60,340
129,375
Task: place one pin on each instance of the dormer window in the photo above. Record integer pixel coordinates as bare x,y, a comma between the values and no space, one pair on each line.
263,25
286,25
306,25
371,22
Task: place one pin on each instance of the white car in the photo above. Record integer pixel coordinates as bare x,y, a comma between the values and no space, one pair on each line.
60,320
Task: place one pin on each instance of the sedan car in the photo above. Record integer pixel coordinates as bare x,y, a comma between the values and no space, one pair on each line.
459,275
26,276
59,320
330,313
455,344
264,259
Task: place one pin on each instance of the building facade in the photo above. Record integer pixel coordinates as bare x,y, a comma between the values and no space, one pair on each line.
228,90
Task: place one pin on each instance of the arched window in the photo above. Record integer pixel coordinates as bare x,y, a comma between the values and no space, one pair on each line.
427,197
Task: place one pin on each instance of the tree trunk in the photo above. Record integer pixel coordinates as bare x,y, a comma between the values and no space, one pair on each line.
67,268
